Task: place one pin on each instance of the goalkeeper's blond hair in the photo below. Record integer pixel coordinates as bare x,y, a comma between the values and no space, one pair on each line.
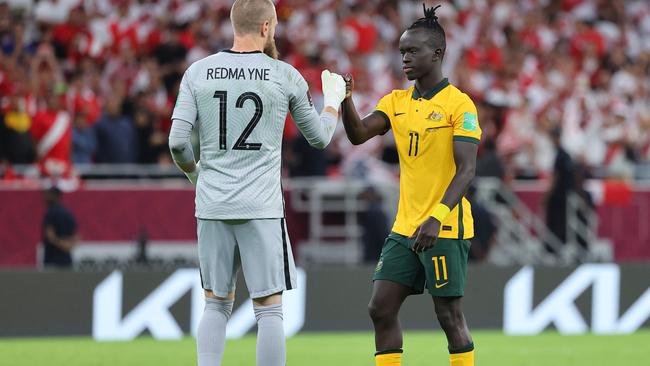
247,16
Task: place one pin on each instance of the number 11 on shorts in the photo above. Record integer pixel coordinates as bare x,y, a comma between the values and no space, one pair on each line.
439,262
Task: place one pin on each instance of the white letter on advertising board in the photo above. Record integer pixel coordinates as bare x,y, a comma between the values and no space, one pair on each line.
559,309
152,313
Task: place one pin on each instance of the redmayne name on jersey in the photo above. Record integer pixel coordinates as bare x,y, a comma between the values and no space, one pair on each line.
237,73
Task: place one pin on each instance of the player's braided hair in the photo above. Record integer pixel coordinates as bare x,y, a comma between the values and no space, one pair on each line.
430,22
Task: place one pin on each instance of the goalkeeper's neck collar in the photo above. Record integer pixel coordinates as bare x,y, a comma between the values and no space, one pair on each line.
241,52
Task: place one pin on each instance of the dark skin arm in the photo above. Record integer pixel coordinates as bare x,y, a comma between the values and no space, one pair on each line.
465,157
359,130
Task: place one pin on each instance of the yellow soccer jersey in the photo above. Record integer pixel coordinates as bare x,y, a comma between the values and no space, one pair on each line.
425,127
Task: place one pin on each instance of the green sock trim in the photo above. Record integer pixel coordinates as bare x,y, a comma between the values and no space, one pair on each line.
467,348
388,351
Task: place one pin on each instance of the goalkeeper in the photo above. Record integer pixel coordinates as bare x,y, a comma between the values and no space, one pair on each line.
240,115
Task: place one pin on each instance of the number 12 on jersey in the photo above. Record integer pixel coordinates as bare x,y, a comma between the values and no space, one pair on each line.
241,143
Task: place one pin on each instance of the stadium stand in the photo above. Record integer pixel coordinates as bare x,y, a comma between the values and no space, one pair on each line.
108,72
87,89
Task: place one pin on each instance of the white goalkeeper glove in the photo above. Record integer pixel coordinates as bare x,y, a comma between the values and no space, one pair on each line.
194,176
333,89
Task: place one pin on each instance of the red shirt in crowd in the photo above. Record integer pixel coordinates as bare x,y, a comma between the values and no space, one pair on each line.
366,34
587,38
52,132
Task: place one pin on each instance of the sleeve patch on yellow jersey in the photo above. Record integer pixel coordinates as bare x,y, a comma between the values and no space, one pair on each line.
470,122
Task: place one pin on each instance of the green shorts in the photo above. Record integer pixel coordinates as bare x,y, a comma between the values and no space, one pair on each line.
443,268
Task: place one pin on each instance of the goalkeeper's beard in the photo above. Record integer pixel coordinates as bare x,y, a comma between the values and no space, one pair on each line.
270,49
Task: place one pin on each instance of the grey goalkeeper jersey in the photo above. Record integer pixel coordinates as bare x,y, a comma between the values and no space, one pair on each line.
239,103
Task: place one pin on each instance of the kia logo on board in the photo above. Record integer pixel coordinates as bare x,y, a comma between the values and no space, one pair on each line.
560,310
152,313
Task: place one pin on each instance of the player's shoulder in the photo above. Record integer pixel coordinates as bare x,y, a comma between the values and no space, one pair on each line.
399,94
208,60
287,71
195,67
457,97
285,66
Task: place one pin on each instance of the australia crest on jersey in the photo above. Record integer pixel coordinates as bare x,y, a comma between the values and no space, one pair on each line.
435,116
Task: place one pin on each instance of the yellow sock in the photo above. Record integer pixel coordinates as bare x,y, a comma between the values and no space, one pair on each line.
394,358
462,359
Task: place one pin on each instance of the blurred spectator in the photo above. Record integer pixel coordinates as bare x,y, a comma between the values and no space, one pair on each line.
84,141
80,97
305,161
580,176
16,143
374,225
581,65
171,51
52,132
562,184
360,29
53,11
59,231
489,164
152,142
485,229
116,135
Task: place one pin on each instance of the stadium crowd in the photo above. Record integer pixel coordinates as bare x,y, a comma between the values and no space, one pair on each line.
94,81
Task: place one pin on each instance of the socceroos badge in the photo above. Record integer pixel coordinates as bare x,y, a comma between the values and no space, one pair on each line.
469,121
435,116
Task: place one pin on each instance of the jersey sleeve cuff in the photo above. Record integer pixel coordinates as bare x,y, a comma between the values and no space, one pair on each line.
472,140
184,119
386,119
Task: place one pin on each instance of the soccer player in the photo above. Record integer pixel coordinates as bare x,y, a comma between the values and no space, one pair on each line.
437,134
238,100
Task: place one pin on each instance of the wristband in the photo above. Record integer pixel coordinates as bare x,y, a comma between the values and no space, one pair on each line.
440,212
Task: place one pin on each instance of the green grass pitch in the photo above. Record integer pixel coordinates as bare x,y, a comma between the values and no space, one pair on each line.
316,349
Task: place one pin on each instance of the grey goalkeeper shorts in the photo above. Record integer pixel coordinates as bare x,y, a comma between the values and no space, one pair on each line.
260,247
